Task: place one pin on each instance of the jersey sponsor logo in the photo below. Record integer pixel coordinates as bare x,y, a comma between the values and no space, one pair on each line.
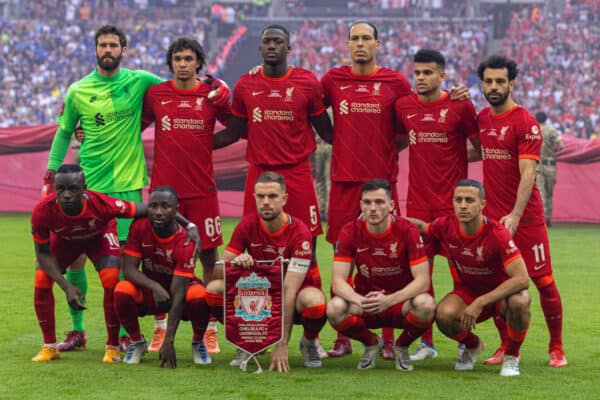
148,265
535,134
257,93
288,94
503,131
298,265
274,93
99,119
495,154
465,269
409,116
513,247
184,104
412,137
362,89
344,107
163,102
252,302
432,137
344,87
189,124
256,115
443,113
121,205
364,270
165,123
428,118
305,245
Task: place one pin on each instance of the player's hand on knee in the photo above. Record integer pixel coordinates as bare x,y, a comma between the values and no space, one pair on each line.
469,316
375,302
279,358
460,93
167,355
161,297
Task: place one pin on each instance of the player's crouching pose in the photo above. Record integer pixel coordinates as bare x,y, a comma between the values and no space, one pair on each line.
166,282
391,282
489,277
267,235
66,224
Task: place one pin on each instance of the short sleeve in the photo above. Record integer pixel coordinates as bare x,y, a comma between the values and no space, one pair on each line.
133,246
239,239
529,138
238,107
344,246
184,260
40,226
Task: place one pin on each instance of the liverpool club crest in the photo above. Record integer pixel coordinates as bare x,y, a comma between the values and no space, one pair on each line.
252,302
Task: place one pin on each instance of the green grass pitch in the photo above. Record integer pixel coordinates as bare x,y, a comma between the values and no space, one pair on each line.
81,374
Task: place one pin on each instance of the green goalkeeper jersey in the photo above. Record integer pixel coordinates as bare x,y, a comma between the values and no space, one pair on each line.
109,108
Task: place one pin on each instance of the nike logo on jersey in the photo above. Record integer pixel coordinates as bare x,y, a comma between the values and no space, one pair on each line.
452,246
257,93
538,267
409,116
59,230
163,102
344,87
214,239
360,250
146,245
255,244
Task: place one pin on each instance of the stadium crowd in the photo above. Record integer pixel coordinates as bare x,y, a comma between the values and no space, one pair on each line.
557,74
40,59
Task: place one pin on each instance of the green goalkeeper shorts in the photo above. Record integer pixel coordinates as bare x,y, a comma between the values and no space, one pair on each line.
124,223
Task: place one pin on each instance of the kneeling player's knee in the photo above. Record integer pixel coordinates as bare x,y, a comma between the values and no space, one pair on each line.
424,306
519,303
109,277
310,297
215,287
195,293
444,315
42,280
336,309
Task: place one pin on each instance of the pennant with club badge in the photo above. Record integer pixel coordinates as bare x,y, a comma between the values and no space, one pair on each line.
254,307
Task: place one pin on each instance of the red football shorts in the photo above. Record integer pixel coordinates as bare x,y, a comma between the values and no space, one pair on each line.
204,212
344,206
468,296
392,317
532,241
428,216
105,244
302,199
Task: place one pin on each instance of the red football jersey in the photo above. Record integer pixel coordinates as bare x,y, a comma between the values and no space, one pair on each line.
293,240
437,134
480,258
505,139
183,137
277,111
162,258
364,140
383,261
98,210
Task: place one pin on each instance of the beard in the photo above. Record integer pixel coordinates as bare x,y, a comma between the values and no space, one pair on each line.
498,100
108,63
